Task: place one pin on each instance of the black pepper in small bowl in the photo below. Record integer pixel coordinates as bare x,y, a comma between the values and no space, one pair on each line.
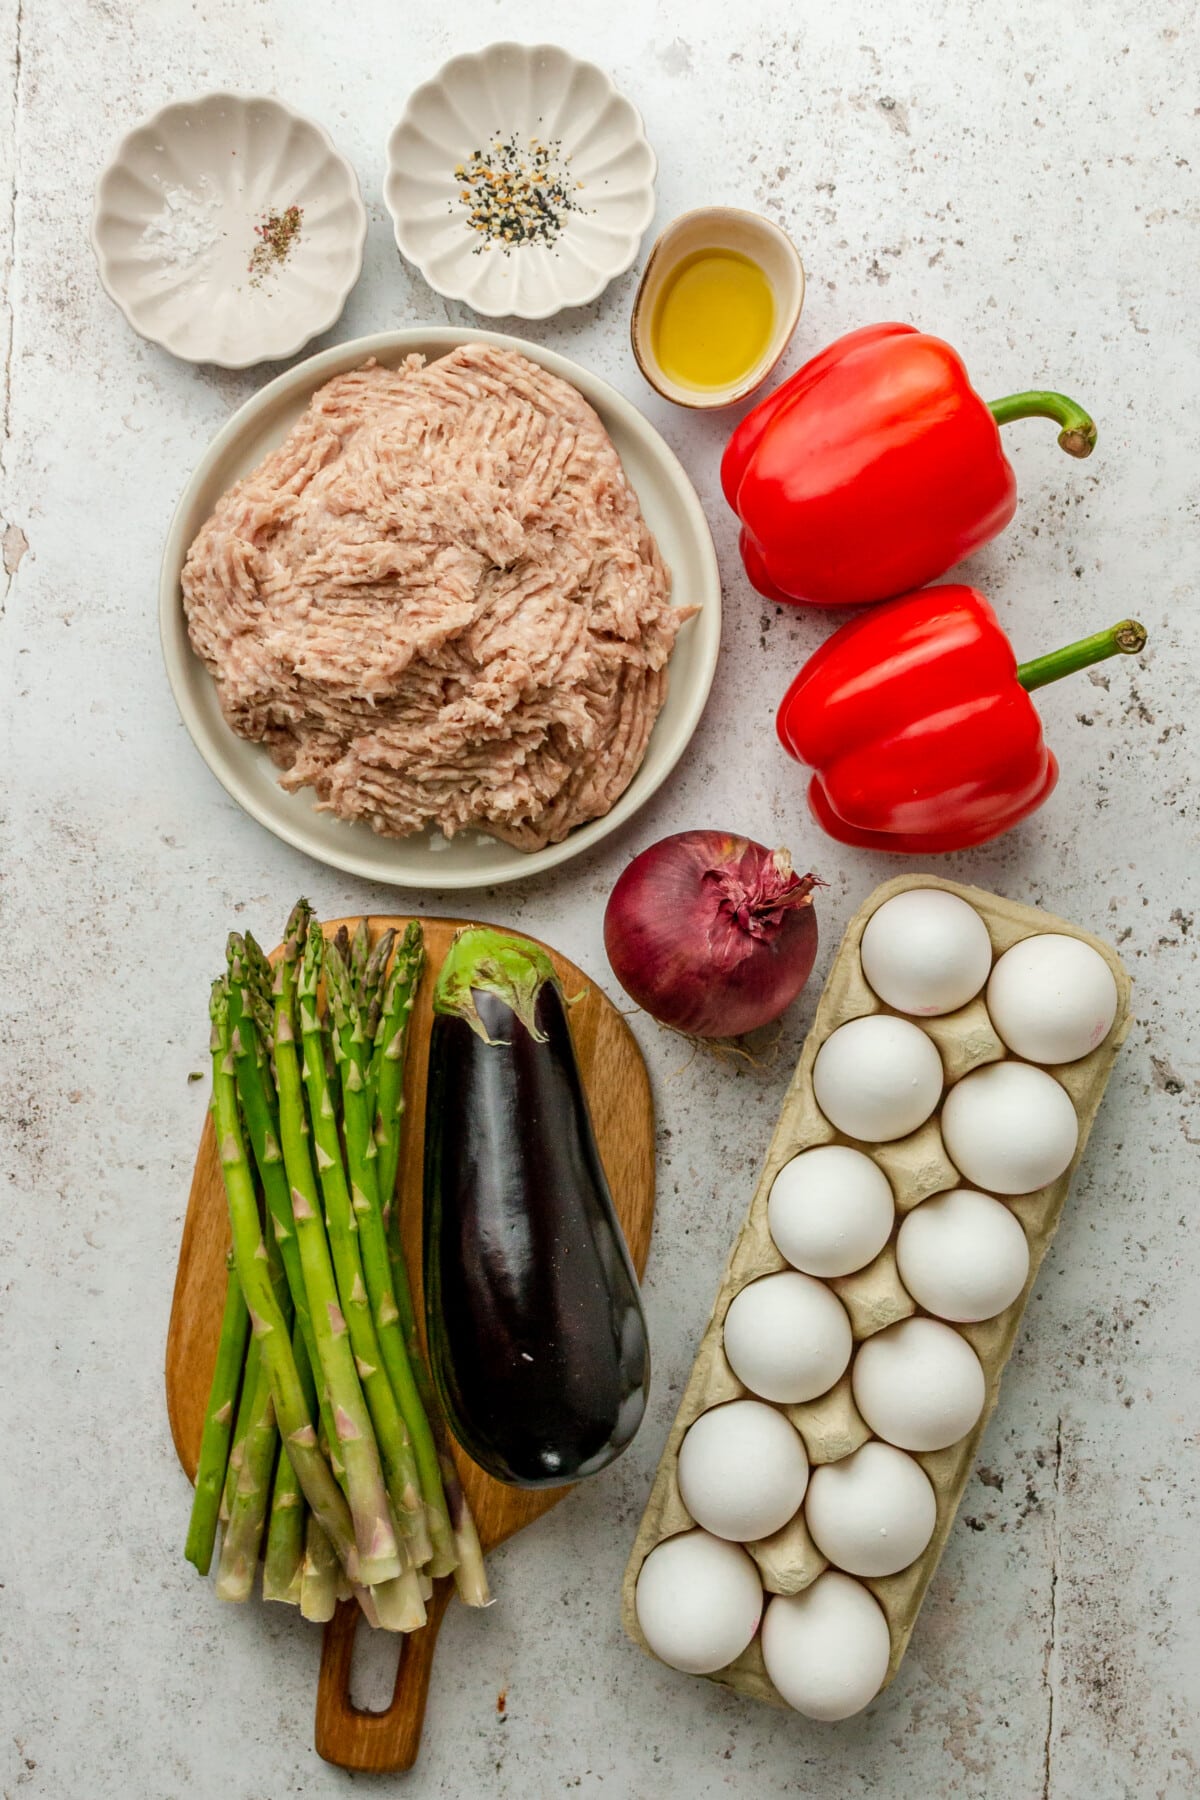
276,232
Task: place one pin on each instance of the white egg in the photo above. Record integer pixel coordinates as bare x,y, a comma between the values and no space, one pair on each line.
699,1601
1052,998
926,952
877,1078
963,1256
1009,1128
742,1470
827,1648
830,1210
918,1385
787,1337
873,1512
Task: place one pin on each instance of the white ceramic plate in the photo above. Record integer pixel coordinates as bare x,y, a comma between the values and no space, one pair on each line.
537,92
672,512
174,229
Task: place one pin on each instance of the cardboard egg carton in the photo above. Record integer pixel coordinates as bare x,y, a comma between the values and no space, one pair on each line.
874,1297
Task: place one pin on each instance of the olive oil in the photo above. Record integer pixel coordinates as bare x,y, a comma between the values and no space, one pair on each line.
713,320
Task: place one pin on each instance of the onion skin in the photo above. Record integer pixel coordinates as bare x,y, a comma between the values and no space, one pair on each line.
711,933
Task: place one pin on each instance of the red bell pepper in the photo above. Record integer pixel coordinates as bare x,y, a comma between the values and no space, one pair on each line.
919,724
875,468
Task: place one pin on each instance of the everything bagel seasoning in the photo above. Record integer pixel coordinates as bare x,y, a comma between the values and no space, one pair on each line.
516,193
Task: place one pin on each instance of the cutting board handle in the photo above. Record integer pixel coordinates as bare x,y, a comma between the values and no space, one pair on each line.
379,1743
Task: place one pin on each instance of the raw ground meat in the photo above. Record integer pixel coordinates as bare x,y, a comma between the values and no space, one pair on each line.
438,602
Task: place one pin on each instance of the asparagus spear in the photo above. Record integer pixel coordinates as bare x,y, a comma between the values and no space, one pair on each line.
248,1490
369,994
389,1049
318,1576
284,1559
260,981
218,1424
391,1605
251,1495
378,1557
317,1581
241,1425
260,1109
400,1470
400,1605
470,1575
295,1422
360,952
395,1605
361,1157
250,1404
386,1087
256,1091
370,1001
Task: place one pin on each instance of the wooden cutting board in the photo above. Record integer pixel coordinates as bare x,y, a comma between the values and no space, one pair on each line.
618,1090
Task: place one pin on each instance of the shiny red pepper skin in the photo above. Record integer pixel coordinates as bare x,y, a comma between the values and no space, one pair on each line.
921,736
873,470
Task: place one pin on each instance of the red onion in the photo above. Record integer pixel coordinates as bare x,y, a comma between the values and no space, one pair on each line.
711,933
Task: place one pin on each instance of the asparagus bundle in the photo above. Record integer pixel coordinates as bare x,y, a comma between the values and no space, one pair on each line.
323,1451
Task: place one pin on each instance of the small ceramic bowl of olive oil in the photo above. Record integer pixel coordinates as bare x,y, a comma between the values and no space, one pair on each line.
718,302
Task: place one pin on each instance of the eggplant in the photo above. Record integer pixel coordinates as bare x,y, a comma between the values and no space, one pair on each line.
536,1333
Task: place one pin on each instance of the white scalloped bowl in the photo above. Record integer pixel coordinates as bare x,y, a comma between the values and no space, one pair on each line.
533,91
174,229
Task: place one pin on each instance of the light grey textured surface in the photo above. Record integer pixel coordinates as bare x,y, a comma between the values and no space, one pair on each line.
1018,176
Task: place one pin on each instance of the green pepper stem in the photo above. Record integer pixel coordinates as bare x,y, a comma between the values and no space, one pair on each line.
1126,639
1078,434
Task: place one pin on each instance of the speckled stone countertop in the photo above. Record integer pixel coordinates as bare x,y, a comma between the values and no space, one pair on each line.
1017,176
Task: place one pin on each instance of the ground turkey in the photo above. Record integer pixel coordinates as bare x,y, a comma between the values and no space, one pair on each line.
438,602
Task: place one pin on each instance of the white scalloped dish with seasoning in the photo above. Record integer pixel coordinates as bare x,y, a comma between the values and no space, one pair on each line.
229,229
520,181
